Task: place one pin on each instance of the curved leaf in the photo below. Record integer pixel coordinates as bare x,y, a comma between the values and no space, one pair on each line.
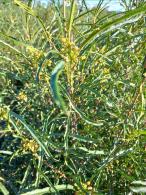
55,87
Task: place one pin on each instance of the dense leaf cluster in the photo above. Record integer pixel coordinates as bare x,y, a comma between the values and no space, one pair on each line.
96,147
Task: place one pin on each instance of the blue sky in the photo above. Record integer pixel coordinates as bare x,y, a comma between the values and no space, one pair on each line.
113,5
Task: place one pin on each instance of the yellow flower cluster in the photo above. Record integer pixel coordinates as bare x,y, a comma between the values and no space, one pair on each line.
34,54
83,58
3,113
106,71
86,186
44,77
30,145
22,96
103,81
47,63
69,50
110,167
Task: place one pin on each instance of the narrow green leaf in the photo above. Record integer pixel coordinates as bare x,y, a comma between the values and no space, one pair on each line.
33,133
71,18
25,177
55,87
6,152
143,183
49,190
138,189
94,152
85,118
25,7
113,24
3,189
13,48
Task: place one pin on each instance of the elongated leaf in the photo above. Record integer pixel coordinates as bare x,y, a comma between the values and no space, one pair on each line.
138,186
13,48
143,183
55,87
45,178
49,190
3,189
25,7
16,41
94,152
71,17
84,13
6,152
26,174
138,189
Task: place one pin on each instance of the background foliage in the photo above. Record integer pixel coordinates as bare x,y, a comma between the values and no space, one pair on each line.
78,128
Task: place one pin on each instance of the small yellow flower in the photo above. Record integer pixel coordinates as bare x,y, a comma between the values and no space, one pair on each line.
84,185
34,53
30,145
66,59
62,50
76,49
83,57
88,183
4,113
22,96
47,63
106,71
44,77
63,40
103,49
30,49
103,81
34,64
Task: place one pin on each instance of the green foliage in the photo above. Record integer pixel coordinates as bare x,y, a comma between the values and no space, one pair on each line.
80,130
